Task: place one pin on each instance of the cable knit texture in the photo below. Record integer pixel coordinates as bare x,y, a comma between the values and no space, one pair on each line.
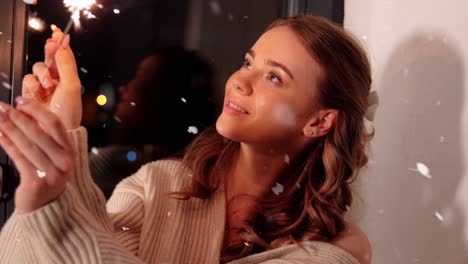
139,224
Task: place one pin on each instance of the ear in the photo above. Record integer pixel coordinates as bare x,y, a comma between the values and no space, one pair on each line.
321,123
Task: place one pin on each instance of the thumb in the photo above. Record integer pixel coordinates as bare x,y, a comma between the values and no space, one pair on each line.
66,66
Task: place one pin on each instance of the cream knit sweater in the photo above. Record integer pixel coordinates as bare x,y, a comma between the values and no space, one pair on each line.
139,224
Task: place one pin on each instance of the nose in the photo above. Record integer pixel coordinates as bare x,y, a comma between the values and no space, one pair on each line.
243,85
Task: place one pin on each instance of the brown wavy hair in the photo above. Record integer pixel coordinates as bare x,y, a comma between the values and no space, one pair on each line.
317,189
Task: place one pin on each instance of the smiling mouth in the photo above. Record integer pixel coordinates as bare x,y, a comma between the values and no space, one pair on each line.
236,107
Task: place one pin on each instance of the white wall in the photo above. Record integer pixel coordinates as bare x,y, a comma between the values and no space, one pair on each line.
419,53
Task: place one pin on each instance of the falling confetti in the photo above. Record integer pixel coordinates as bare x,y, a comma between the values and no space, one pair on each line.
347,208
116,118
442,139
298,186
364,37
95,151
278,188
58,106
246,17
192,130
439,216
1,33
4,75
131,156
83,70
132,103
6,85
286,159
40,173
124,228
183,100
423,169
247,244
116,11
169,213
215,7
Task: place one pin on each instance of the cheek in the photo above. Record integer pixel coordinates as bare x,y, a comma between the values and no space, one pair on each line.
283,115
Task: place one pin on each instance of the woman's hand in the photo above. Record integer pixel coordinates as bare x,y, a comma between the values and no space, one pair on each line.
55,82
37,142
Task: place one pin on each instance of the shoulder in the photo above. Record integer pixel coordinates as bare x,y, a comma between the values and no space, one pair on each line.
171,172
354,241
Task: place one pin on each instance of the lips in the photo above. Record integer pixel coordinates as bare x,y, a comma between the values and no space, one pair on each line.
234,104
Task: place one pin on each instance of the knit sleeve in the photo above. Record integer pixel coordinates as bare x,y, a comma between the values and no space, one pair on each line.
79,227
61,232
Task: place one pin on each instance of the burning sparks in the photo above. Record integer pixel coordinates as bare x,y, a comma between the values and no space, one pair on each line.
76,6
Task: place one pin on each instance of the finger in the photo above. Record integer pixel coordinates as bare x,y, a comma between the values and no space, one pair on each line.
41,71
25,168
30,86
48,120
49,51
67,68
28,149
58,155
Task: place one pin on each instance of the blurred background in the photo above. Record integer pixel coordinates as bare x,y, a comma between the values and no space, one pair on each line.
160,62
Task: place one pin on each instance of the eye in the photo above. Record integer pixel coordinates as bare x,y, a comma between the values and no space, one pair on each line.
272,77
247,64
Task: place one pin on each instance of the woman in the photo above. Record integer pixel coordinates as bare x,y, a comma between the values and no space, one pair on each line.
270,185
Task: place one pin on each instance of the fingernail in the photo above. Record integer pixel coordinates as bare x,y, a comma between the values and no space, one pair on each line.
3,114
21,100
53,27
66,42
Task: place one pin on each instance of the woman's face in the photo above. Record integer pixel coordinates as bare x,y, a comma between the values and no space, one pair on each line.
272,96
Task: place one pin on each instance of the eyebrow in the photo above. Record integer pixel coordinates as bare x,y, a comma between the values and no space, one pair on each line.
274,64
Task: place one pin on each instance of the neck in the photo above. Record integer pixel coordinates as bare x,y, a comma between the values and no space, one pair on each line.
256,170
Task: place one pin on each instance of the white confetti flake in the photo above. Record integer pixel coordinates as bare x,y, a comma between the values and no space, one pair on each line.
1,33
9,41
278,188
246,17
95,151
230,17
169,213
83,70
298,186
439,216
132,103
40,174
192,130
183,100
124,228
116,118
4,75
247,244
442,139
347,208
286,159
116,11
423,169
1,134
6,85
104,125
364,37
58,106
